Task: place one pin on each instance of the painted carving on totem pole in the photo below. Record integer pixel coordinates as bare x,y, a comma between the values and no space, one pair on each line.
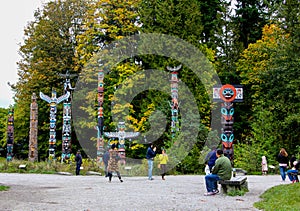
53,101
100,117
10,135
121,135
174,102
67,116
33,142
227,95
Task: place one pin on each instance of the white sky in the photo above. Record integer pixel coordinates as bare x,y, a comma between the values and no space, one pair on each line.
14,16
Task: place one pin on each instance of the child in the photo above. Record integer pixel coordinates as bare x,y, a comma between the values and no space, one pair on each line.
264,165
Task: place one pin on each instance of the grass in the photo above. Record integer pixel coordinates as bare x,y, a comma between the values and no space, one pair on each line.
3,188
280,198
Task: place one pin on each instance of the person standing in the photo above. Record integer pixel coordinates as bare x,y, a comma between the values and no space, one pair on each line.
113,163
163,160
150,154
283,161
264,165
78,159
211,158
221,171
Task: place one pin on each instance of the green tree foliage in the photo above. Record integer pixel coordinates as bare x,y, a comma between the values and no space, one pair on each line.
48,49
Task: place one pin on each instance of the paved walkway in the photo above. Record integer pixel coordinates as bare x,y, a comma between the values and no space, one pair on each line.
36,192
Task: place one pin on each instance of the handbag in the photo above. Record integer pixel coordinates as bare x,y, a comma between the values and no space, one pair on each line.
158,166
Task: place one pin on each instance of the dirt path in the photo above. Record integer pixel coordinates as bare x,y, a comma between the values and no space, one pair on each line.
31,192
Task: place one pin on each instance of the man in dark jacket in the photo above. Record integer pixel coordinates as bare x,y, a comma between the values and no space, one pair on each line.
78,159
221,171
150,154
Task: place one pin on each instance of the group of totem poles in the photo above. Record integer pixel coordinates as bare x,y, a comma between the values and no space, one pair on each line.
226,94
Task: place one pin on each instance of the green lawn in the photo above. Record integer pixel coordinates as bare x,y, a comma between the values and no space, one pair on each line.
282,197
3,188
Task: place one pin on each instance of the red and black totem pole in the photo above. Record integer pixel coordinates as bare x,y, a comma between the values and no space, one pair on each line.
10,135
227,95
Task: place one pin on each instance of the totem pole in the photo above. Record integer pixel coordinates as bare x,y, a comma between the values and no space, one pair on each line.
10,135
174,103
100,119
121,135
227,95
33,142
53,101
67,115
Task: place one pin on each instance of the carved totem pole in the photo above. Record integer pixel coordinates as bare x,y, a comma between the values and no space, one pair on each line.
10,135
174,103
227,95
100,118
53,101
121,135
67,116
33,141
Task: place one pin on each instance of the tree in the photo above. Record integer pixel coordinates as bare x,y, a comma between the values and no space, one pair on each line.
48,49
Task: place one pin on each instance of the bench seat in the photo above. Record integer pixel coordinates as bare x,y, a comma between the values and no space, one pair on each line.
235,183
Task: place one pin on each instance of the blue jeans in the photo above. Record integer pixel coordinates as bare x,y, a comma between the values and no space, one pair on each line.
211,182
292,178
282,172
150,167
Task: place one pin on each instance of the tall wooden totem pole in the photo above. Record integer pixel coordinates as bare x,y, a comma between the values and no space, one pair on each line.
67,116
174,102
53,101
33,141
10,135
227,95
100,118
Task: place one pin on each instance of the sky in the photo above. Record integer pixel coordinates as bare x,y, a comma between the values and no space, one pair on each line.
14,16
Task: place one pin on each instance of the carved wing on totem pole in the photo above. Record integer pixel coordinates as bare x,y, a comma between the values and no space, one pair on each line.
63,97
174,69
45,97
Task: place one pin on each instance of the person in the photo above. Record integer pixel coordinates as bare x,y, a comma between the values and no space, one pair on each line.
264,165
150,154
78,159
163,160
221,171
113,163
211,158
293,173
293,158
105,161
283,161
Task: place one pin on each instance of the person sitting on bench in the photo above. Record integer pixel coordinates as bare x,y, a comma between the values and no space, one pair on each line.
293,173
221,171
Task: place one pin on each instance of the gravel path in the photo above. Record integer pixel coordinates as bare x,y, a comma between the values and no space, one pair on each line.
36,192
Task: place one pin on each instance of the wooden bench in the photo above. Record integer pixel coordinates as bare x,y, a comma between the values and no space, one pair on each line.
235,183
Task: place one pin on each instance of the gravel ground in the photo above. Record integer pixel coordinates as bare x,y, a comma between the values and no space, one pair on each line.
36,192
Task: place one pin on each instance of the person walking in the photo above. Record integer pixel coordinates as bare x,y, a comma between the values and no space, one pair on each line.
163,160
150,154
221,171
105,161
283,161
264,165
211,158
113,163
78,159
